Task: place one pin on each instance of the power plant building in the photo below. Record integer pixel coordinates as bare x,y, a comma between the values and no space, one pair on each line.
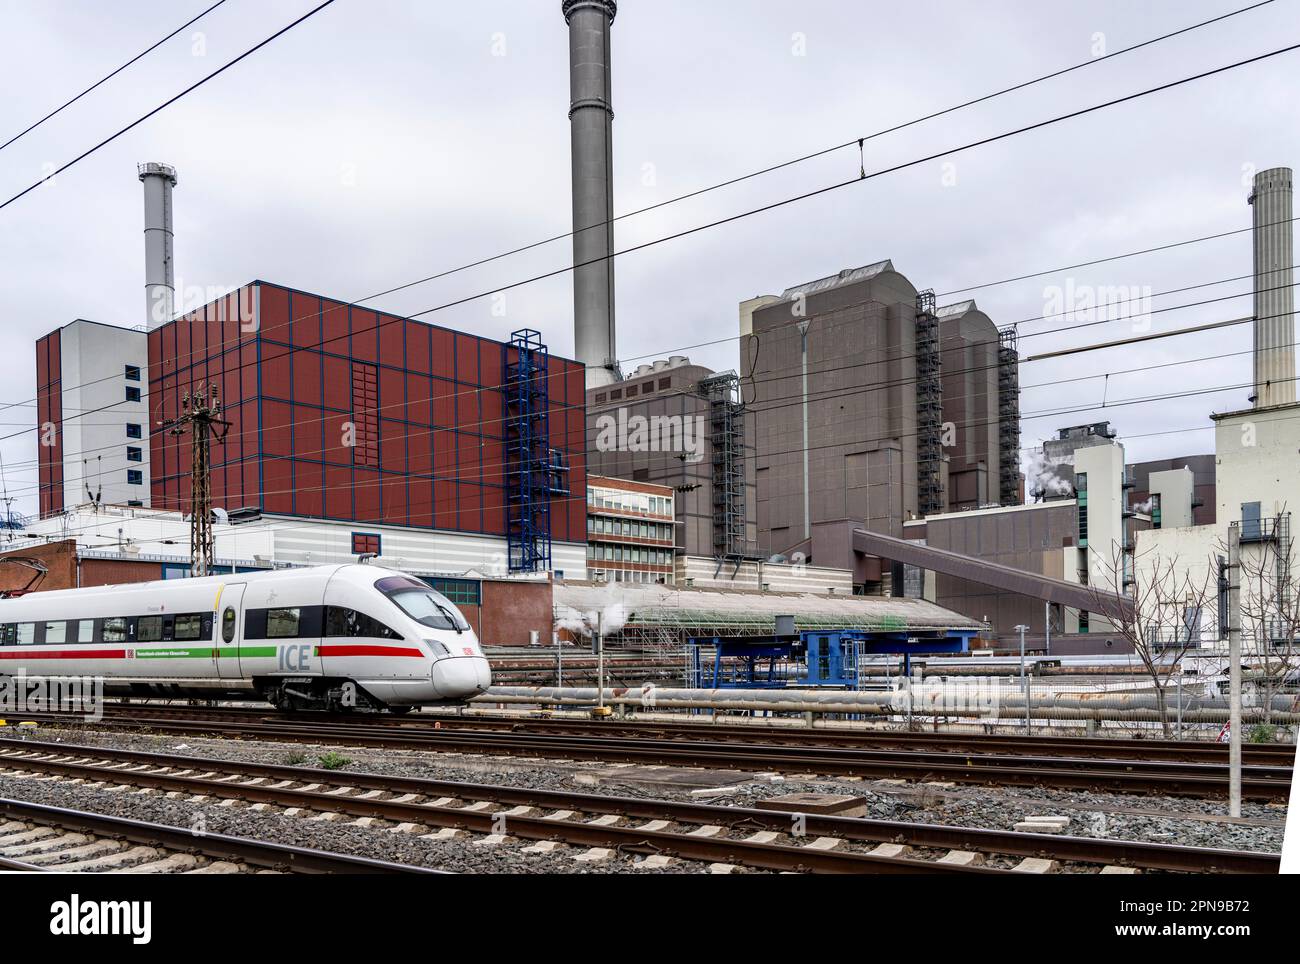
872,408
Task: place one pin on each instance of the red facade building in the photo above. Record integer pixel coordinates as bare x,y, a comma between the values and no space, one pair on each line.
342,412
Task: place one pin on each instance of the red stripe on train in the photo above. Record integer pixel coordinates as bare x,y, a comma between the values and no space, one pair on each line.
362,650
68,654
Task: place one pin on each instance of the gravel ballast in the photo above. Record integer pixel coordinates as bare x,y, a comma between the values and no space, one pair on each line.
1157,819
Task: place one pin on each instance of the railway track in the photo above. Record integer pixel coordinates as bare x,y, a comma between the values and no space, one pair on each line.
603,827
1189,751
1083,772
36,837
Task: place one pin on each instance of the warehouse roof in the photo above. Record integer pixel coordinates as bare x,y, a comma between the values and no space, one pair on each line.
735,610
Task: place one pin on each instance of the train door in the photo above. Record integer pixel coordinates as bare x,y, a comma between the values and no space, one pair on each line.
229,630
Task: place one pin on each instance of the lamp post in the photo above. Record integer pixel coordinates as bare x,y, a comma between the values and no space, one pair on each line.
1024,680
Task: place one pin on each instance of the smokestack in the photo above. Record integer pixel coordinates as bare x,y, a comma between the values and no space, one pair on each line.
1274,298
591,118
159,258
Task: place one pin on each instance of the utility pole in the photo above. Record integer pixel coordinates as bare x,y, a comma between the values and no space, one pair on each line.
1024,680
1234,670
201,418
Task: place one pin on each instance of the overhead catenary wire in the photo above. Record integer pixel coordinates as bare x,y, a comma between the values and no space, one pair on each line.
109,76
165,104
767,406
1077,113
833,187
1028,416
313,523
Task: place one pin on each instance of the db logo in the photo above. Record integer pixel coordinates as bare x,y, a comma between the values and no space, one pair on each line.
130,654
467,651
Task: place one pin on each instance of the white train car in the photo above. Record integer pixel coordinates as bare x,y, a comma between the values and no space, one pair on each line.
327,637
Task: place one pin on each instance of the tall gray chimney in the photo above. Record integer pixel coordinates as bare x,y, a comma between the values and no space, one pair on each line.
591,125
1274,297
159,257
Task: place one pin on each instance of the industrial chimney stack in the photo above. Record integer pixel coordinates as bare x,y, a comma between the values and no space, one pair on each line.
159,257
591,119
1274,300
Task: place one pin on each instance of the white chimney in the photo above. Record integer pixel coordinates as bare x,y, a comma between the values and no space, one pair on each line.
1274,297
159,276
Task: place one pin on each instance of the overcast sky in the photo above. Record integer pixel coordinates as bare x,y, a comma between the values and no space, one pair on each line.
382,141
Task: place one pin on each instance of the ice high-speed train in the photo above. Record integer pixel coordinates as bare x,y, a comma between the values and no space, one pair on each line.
327,637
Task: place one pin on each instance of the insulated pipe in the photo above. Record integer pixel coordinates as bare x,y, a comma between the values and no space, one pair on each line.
591,117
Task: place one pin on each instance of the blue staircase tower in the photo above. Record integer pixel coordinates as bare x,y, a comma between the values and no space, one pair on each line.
534,471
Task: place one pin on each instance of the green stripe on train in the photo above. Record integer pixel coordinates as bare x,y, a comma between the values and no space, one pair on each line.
207,652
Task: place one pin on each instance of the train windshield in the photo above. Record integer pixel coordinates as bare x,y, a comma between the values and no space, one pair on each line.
422,604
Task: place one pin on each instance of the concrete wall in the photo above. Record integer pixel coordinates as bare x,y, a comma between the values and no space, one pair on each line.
1176,489
861,444
1035,538
96,412
969,358
669,393
1203,470
1105,557
1191,550
1258,454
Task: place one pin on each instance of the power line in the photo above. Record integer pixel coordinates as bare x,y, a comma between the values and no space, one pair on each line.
862,177
766,406
110,76
819,153
1030,416
167,103
880,172
573,498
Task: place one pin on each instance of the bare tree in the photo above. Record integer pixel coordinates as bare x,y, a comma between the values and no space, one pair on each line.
1155,603
1269,604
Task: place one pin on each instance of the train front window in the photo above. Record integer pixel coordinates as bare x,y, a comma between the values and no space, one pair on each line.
422,604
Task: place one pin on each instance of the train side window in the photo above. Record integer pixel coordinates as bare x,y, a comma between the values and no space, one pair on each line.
85,631
148,629
6,634
56,632
189,626
26,634
228,625
282,623
115,629
340,621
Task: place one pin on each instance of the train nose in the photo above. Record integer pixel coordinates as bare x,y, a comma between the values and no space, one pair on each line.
461,677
